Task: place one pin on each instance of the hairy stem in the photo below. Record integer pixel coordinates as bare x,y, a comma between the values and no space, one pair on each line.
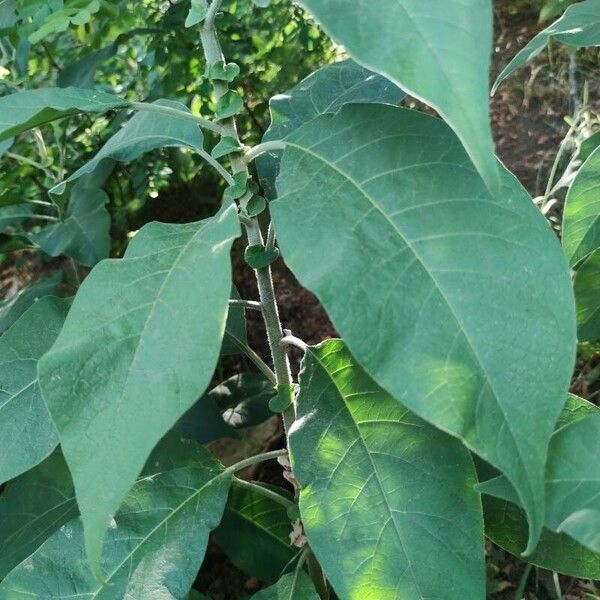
264,491
251,304
254,460
255,358
180,114
255,152
214,54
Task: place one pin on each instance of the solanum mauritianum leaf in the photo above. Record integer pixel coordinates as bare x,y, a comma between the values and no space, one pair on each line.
438,51
32,507
138,348
428,278
587,297
581,217
572,479
382,491
325,91
26,429
155,544
254,534
293,586
569,543
142,133
577,28
25,110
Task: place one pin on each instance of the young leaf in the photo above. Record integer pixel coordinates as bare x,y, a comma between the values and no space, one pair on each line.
197,14
143,132
26,429
577,28
326,90
32,507
570,543
427,277
223,72
382,491
259,257
155,544
294,586
229,105
587,297
581,217
84,235
25,110
254,534
138,348
12,308
227,145
438,51
238,189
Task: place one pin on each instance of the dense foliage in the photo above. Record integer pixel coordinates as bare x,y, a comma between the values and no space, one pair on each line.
442,415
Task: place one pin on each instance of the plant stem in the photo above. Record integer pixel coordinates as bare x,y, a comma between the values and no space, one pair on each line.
255,152
251,304
180,114
292,340
317,576
254,460
255,358
30,162
264,279
260,489
213,162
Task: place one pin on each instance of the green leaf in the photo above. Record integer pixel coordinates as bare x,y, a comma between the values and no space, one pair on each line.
25,110
244,399
5,145
197,14
437,51
235,328
12,308
506,526
155,544
223,72
84,235
145,131
294,586
456,302
138,348
262,3
382,491
581,217
228,105
283,399
26,429
259,256
80,74
577,28
254,534
12,215
255,206
238,189
326,90
570,543
587,296
227,145
32,507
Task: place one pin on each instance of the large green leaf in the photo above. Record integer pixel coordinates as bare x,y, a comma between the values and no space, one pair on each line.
578,27
155,543
587,296
382,491
25,110
12,308
145,131
438,51
457,302
26,429
570,543
326,90
13,215
254,534
84,235
32,507
581,218
138,348
294,586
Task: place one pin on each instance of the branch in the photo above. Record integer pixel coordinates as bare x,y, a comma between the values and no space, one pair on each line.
179,114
